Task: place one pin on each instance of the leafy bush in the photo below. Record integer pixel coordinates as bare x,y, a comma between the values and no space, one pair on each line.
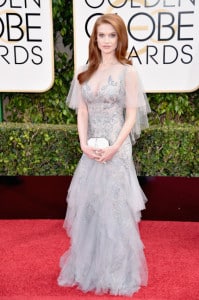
174,108
63,21
168,151
28,149
48,107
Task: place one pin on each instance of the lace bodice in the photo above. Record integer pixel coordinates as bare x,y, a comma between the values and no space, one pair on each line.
106,95
105,107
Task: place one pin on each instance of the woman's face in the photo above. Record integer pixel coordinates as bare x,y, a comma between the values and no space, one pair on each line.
107,38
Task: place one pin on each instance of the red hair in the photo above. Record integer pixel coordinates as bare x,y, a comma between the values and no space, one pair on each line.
94,52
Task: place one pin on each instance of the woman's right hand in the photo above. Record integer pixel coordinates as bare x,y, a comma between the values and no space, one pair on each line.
92,152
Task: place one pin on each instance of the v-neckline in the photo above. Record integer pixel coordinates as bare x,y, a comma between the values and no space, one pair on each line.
107,74
108,82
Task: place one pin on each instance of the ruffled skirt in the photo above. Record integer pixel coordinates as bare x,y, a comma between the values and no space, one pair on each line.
106,253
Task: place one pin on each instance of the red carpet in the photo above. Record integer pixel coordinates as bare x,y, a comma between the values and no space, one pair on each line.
30,252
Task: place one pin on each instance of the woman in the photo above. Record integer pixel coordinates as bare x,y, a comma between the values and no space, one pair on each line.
105,199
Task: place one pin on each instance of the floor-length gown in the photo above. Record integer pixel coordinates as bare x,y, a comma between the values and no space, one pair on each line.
104,200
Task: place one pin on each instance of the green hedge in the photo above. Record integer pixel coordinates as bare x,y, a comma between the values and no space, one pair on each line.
28,149
168,151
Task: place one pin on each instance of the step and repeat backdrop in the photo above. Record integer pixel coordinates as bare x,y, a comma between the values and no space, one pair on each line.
163,39
26,45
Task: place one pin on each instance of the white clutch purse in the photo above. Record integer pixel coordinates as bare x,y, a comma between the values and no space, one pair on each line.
98,143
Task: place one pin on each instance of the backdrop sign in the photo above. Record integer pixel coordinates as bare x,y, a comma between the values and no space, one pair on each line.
26,45
163,39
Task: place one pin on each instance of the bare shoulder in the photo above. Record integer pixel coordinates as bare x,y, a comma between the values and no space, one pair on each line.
130,68
129,71
81,69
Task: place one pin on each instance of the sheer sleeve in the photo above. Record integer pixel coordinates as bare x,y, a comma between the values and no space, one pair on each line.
74,98
136,98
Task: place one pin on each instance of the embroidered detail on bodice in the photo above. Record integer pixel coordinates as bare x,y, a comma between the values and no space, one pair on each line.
105,107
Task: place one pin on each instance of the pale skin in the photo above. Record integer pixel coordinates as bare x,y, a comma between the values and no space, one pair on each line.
107,40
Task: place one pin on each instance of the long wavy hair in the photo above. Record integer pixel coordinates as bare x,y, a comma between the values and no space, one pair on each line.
94,52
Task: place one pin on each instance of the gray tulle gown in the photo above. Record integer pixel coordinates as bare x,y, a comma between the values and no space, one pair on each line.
104,200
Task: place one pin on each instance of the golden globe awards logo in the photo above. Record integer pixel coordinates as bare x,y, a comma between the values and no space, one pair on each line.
163,38
16,27
26,50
